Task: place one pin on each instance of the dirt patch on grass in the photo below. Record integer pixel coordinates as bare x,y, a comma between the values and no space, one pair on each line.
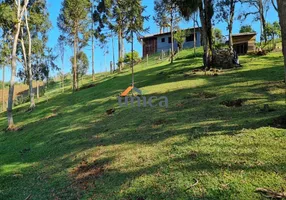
159,122
193,154
279,122
180,105
266,108
201,95
13,129
87,86
233,103
50,116
110,111
207,95
85,173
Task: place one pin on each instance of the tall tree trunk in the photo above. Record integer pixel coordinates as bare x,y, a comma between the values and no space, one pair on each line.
93,77
92,41
230,25
17,27
195,38
63,81
75,86
262,21
13,71
29,65
48,78
132,57
119,50
172,36
24,52
204,36
38,89
122,48
3,88
63,75
282,15
113,54
208,19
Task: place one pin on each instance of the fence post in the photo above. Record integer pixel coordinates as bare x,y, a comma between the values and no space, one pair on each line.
147,60
111,66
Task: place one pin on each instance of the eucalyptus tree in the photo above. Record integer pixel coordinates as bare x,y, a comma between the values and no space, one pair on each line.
92,39
259,9
273,32
206,12
43,63
167,15
11,18
35,28
5,53
73,21
61,49
226,11
160,17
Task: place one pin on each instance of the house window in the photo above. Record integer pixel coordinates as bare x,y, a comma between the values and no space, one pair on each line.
162,40
170,40
190,38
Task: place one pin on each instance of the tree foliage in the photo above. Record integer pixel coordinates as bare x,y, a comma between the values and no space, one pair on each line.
259,11
128,57
82,63
206,10
217,36
246,29
160,18
167,14
225,12
273,30
180,37
74,21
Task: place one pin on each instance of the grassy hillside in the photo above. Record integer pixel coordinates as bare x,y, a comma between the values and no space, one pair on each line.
69,148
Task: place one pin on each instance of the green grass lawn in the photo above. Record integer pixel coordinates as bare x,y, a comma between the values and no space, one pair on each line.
69,148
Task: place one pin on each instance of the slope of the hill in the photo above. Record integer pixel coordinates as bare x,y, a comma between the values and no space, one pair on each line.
214,141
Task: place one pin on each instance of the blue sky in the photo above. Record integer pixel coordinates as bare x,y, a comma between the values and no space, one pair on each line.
102,61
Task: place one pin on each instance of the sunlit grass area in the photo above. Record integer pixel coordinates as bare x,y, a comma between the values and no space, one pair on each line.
200,147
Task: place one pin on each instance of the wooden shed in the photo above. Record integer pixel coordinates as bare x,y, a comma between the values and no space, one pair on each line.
244,43
149,46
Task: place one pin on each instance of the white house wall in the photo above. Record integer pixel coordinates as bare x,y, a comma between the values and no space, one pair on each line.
166,46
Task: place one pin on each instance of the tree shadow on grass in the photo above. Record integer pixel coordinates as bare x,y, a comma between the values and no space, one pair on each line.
80,127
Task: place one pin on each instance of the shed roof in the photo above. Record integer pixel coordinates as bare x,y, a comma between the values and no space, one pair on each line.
166,33
244,34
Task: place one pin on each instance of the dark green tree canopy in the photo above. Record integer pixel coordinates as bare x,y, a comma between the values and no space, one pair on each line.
110,15
246,29
74,17
128,57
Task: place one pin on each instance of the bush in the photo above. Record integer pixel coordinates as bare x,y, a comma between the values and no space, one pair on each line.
128,58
